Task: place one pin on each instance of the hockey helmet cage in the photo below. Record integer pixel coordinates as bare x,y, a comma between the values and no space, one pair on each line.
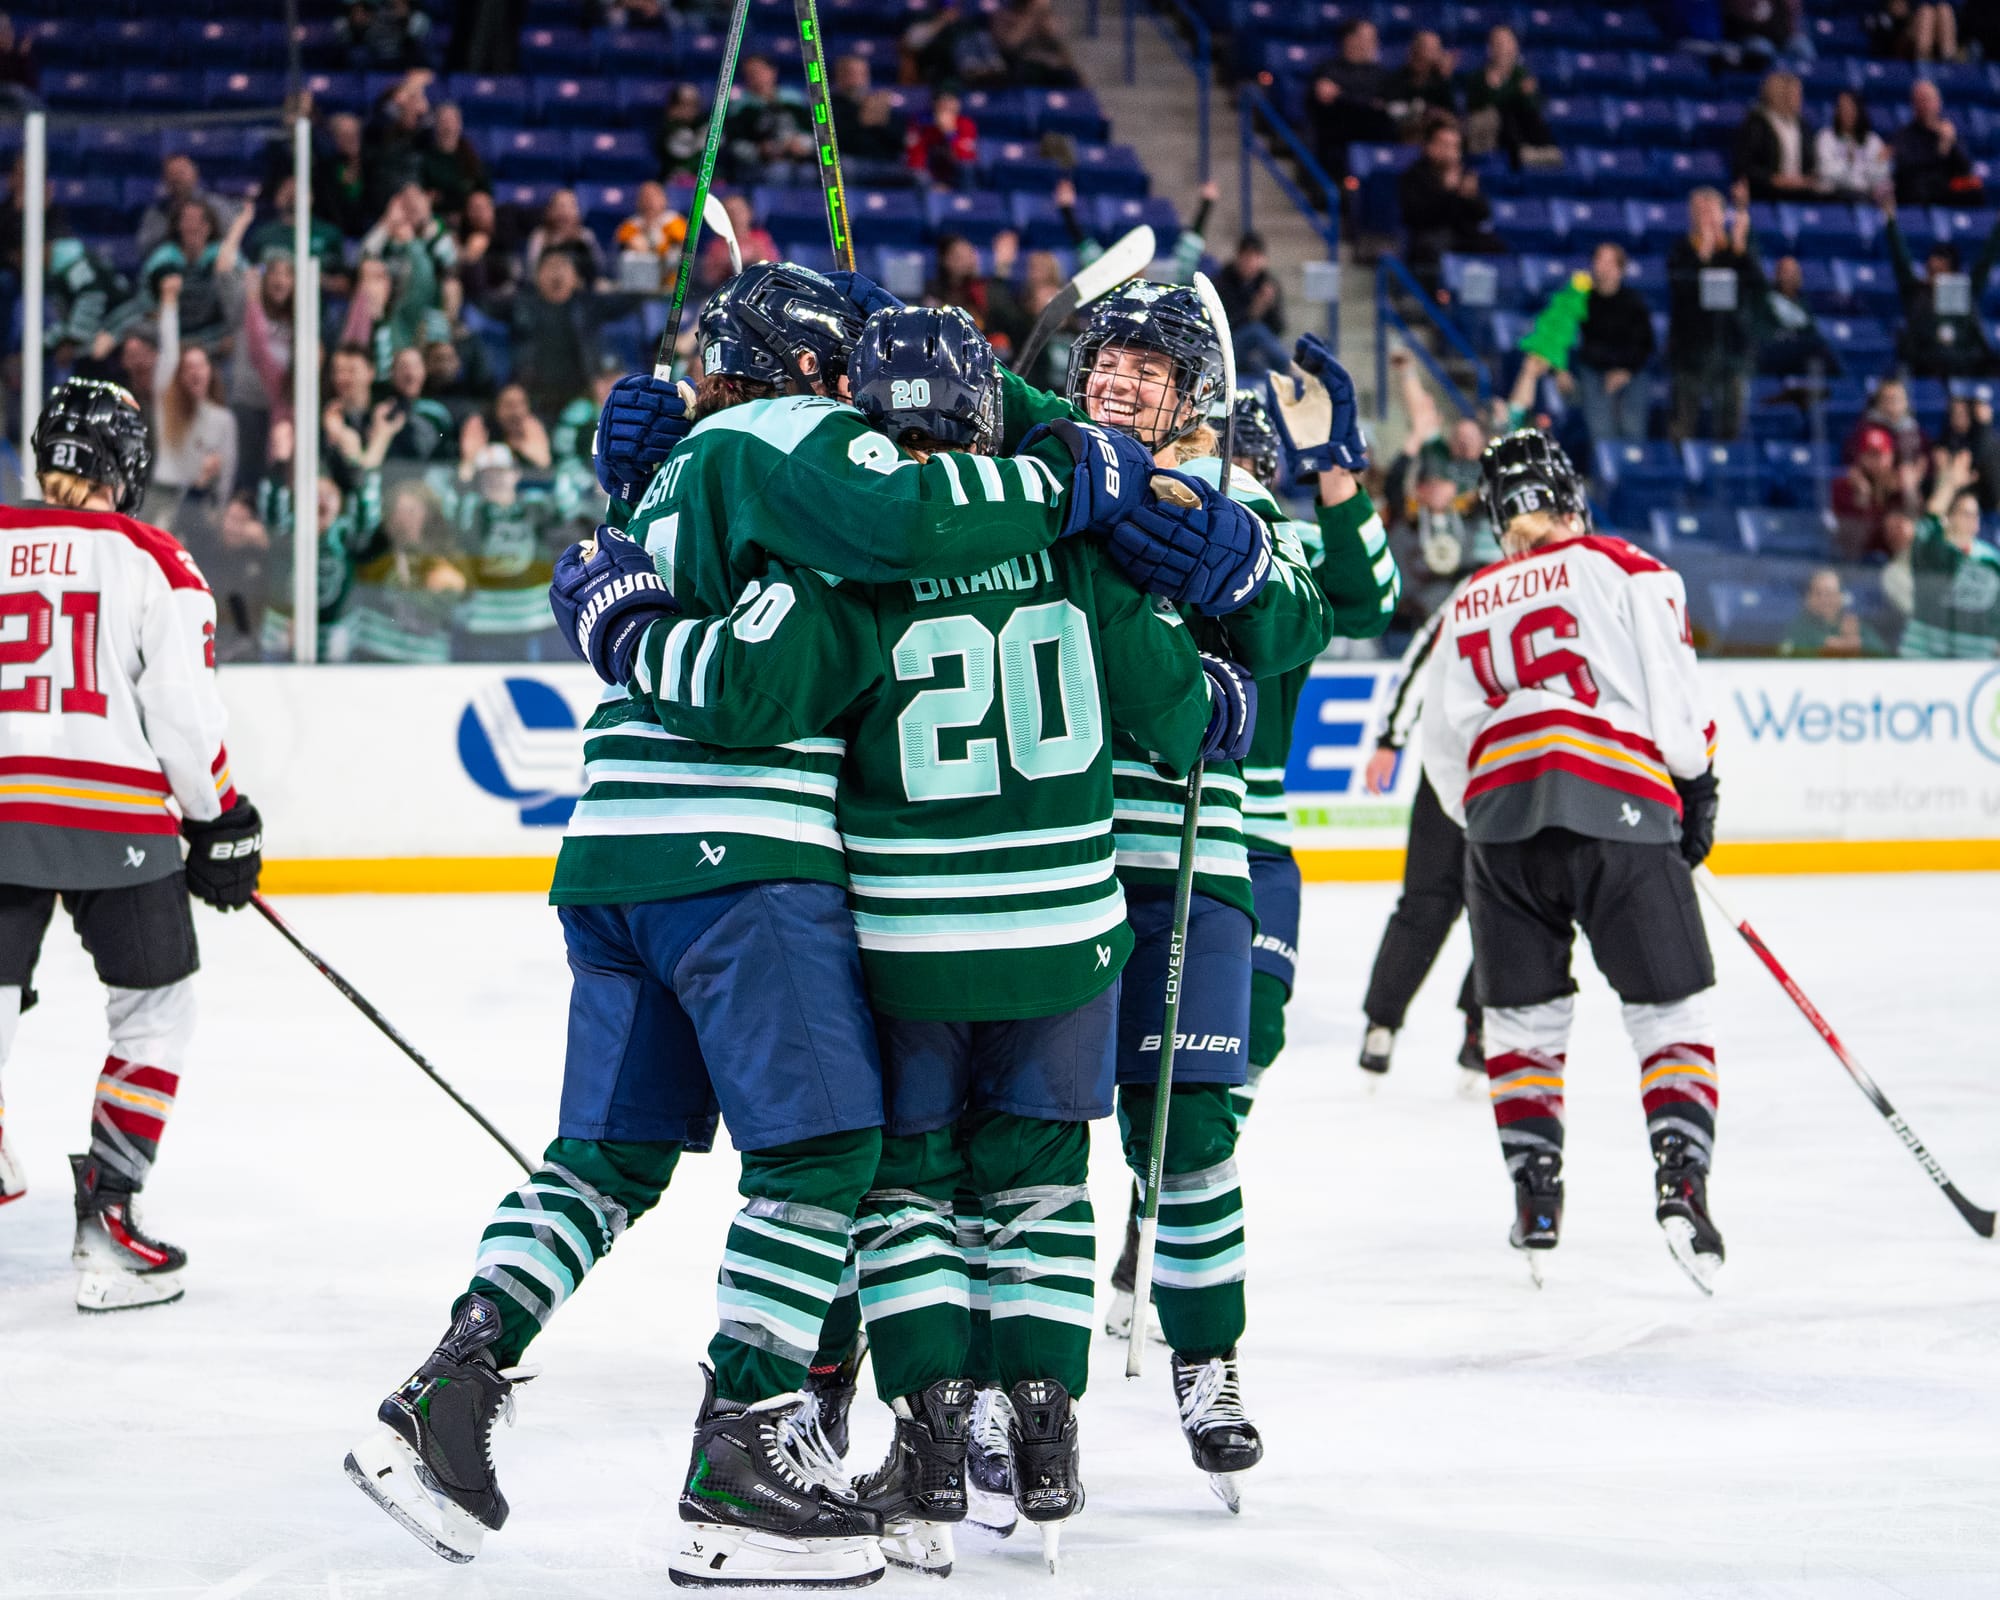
1526,471
763,322
928,370
96,431
1256,438
1162,317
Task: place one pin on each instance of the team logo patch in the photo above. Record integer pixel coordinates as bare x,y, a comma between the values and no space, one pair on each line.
519,741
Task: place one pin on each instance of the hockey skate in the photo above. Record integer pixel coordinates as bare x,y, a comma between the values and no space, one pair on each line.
1472,1083
430,1463
13,1182
832,1390
920,1490
1682,1212
989,1465
1220,1435
1377,1045
1042,1440
119,1265
1124,1294
1538,1211
761,1516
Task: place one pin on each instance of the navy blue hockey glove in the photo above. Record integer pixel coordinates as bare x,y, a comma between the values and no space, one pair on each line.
1319,423
225,855
1214,555
603,601
643,419
1232,713
1698,807
864,293
1110,473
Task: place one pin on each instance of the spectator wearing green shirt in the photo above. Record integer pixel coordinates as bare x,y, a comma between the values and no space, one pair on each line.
1828,625
1956,575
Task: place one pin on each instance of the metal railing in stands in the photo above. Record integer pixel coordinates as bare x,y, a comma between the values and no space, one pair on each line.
1254,109
1195,48
1390,275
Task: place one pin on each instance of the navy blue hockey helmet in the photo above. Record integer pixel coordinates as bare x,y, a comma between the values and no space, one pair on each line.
1526,471
1168,321
96,431
1256,437
765,321
928,370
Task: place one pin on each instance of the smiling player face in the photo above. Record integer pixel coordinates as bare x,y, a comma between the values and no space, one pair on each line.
1132,388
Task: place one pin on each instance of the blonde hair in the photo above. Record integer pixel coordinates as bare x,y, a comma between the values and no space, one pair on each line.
1199,441
67,490
1535,528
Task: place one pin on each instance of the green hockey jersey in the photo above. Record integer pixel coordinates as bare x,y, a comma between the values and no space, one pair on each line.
807,482
975,796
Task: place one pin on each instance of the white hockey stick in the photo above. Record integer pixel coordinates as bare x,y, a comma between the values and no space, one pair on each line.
1126,259
715,218
1156,1151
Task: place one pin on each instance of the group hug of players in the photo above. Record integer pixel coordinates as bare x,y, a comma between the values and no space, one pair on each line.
907,664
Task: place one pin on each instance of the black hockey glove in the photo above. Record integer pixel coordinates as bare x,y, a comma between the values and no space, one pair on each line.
1111,475
1698,805
225,856
1232,710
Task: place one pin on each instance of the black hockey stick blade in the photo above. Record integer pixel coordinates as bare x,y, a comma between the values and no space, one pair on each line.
360,1003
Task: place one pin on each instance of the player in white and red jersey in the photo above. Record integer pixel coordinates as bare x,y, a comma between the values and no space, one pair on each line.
110,753
1563,727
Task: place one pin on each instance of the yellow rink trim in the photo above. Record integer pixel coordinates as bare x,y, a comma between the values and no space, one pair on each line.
532,874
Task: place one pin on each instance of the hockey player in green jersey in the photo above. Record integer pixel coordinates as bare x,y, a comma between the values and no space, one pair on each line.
978,831
685,870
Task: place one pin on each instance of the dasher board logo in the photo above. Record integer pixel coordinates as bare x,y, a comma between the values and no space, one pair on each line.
520,742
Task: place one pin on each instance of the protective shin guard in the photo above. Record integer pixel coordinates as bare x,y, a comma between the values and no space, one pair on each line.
150,1033
1268,997
784,1259
1199,1266
914,1292
1041,1246
1526,1049
555,1227
1677,1077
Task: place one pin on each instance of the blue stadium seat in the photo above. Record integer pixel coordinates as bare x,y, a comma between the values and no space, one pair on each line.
888,216
1038,222
641,99
160,88
488,99
1000,113
1560,26
1800,533
241,43
1711,527
1828,230
1793,472
570,102
901,272
1526,225
1863,344
527,198
80,86
1014,165
1111,169
1375,169
224,152
1646,123
794,213
1580,119
612,157
1542,275
557,50
142,39
1612,169
1071,111
135,194
1630,30
1640,476
1719,469
1928,398
91,204
109,149
1655,224
1117,214
977,217
336,92
61,41
1482,283
1585,224
1593,71
624,51
1751,617
242,91
1867,288
605,205
1680,74
1965,229
528,154
1711,124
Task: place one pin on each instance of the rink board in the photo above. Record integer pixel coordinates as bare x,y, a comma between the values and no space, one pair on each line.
460,778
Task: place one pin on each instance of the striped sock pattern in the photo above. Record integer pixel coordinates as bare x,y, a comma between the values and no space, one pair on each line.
1041,1275
1199,1264
542,1239
1680,1090
914,1290
1243,1096
970,1222
781,1269
1527,1091
133,1103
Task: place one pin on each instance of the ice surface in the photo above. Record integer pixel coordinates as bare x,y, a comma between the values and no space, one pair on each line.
1827,1426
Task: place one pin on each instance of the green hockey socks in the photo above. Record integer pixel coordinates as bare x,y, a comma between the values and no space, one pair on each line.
1198,1267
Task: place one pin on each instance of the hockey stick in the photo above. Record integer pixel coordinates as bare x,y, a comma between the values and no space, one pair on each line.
1156,1150
704,178
361,1004
825,145
1126,259
715,218
1979,1221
